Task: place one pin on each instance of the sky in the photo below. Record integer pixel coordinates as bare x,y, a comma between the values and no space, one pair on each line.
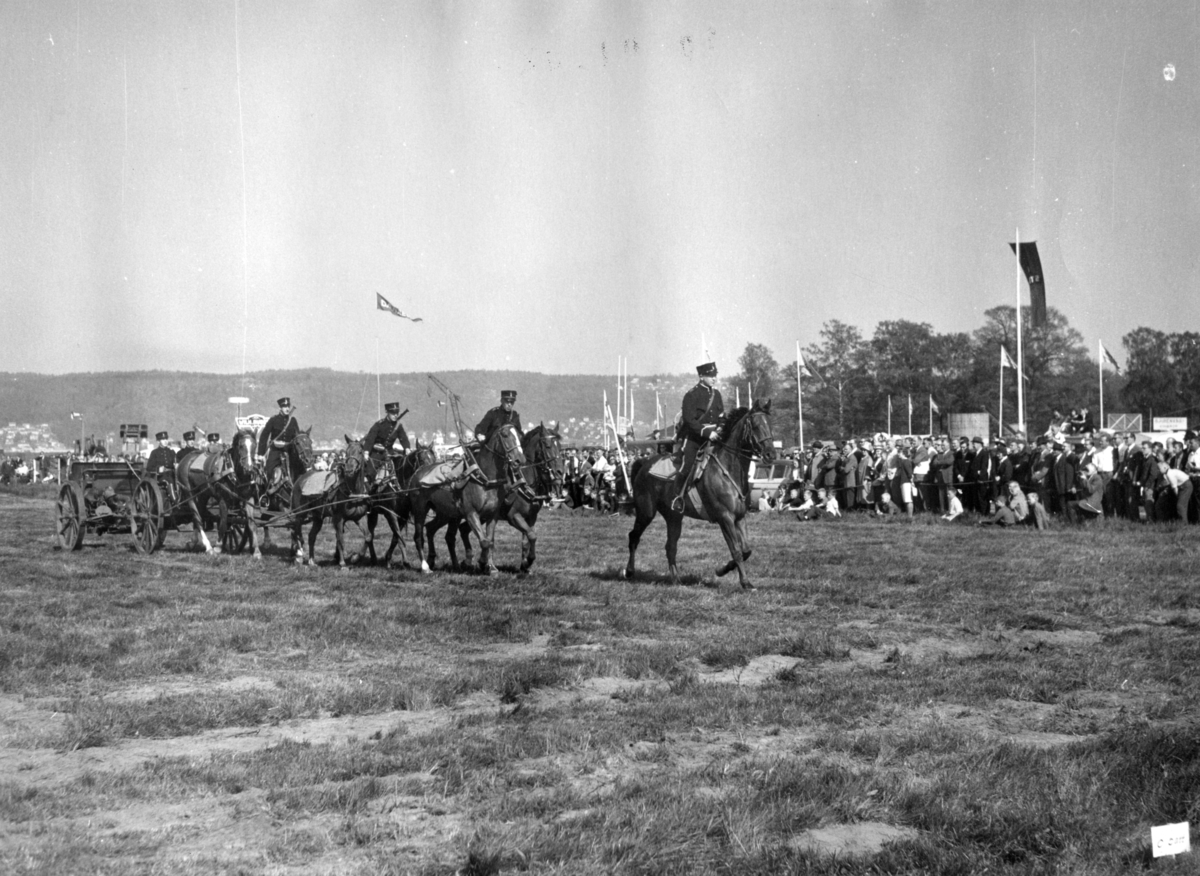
226,186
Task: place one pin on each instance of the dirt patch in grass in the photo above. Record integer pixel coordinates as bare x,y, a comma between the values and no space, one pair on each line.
851,840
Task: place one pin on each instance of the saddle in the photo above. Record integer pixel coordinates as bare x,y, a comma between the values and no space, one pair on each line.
318,484
436,474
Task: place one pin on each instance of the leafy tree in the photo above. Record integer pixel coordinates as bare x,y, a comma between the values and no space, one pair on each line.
845,398
1152,383
760,371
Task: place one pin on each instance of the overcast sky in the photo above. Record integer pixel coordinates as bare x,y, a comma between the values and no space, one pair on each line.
211,185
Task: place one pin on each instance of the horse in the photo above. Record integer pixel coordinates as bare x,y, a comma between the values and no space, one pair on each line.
475,501
227,477
395,504
544,473
338,493
720,495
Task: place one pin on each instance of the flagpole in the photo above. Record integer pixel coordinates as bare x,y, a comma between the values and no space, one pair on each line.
657,412
1020,353
604,419
378,391
1100,368
910,431
799,400
889,416
1002,390
931,413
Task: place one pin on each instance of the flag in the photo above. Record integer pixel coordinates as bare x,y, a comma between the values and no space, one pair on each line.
1109,357
933,406
801,364
382,303
75,415
1005,359
1031,264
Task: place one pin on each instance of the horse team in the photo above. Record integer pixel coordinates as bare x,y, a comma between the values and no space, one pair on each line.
468,500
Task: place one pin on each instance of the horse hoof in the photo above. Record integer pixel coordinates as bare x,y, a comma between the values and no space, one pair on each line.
492,571
746,585
625,574
425,568
257,555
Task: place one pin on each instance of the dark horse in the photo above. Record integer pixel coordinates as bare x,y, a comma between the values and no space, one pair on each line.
338,493
394,503
719,496
227,476
475,499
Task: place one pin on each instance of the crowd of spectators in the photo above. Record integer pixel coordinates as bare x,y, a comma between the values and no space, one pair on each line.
1068,476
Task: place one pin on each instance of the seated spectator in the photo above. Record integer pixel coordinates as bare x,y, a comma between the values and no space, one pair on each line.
956,507
829,503
806,510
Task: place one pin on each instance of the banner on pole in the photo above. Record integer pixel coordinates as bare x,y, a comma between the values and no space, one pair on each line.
1031,264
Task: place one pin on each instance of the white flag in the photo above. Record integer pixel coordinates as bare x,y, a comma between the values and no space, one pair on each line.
1006,360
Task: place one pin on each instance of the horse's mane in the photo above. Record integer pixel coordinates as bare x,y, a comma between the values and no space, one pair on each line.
733,418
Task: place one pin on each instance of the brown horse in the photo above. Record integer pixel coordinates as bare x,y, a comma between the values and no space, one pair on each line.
338,493
543,472
394,503
720,495
224,476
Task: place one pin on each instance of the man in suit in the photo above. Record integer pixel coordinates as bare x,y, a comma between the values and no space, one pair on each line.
701,415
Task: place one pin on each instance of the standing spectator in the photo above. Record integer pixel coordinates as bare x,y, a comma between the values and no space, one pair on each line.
922,462
1090,490
963,459
981,476
1065,488
901,483
866,463
848,475
1175,484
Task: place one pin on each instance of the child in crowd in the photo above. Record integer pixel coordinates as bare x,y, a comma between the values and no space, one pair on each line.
956,507
806,510
1037,512
829,504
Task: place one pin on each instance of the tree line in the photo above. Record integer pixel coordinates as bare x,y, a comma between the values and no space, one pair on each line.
851,376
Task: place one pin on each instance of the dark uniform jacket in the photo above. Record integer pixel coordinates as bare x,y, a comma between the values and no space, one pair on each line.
702,406
385,432
281,427
496,418
161,457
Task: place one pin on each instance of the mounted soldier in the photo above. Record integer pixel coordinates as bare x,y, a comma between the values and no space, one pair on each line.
497,418
380,442
160,465
276,441
700,422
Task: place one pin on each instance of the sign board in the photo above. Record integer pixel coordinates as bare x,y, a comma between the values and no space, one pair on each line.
1169,424
1125,422
238,400
1170,839
253,422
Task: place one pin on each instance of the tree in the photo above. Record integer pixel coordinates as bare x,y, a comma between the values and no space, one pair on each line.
760,371
846,398
1153,383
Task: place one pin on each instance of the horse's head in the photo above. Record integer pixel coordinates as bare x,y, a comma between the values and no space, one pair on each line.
304,447
761,439
355,458
241,450
421,455
543,449
507,443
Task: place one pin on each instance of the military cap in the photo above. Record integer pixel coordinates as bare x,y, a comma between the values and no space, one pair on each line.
189,435
214,437
508,395
392,407
708,369
160,436
285,402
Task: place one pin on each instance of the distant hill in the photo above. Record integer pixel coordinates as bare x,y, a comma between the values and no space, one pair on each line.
334,403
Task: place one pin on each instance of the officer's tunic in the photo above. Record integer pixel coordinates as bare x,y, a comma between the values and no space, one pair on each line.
702,406
380,434
496,419
281,427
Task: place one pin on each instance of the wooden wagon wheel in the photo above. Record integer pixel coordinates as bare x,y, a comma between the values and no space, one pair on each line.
146,517
234,529
72,517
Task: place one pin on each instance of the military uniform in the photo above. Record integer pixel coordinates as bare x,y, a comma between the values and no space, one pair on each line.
162,459
280,428
700,417
381,438
494,420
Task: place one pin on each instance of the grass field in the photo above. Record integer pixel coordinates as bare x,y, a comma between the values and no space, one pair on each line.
894,698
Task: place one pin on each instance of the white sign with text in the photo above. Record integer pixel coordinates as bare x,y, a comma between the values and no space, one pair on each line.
1170,839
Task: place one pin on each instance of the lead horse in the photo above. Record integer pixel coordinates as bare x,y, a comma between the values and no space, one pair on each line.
720,495
338,493
227,476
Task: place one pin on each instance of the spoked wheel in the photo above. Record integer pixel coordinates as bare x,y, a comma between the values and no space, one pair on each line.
234,529
72,517
146,517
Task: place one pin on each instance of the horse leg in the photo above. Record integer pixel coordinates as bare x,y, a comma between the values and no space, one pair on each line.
339,538
640,522
247,511
674,529
464,535
397,527
744,537
298,540
431,529
733,541
487,545
318,522
528,538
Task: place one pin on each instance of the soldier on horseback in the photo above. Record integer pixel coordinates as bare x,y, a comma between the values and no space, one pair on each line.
496,419
380,441
703,410
276,441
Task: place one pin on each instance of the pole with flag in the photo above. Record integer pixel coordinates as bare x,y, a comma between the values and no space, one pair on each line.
932,407
737,396
800,368
1005,362
910,431
1104,354
889,416
1020,353
604,419
657,412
